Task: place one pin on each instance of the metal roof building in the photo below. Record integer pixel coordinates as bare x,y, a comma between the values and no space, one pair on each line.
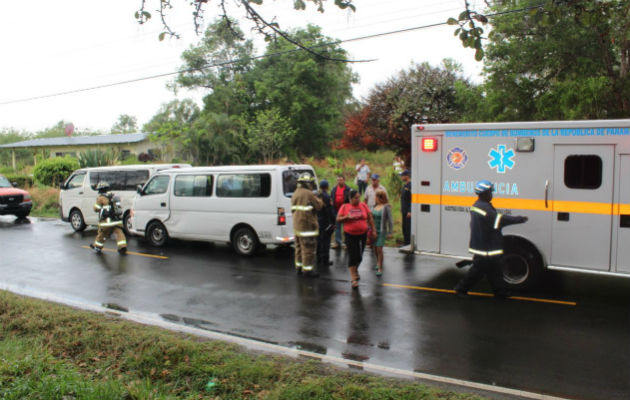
60,146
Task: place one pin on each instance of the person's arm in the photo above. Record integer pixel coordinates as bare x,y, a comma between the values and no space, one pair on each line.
316,202
506,220
340,215
371,223
390,220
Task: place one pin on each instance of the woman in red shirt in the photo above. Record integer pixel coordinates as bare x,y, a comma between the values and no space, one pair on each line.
355,217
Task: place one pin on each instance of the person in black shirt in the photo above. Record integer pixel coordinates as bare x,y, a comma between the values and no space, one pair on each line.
405,206
326,218
486,241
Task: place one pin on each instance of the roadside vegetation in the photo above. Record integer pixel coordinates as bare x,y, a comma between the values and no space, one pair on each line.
50,351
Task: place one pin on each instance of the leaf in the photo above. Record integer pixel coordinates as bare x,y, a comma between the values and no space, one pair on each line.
479,55
161,36
452,21
259,2
463,15
457,31
299,5
146,14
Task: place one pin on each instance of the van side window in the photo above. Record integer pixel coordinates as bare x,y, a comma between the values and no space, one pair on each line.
94,178
244,185
193,186
76,181
157,185
135,178
583,171
289,180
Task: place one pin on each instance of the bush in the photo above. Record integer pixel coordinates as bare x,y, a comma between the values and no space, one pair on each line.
21,180
131,160
53,171
6,171
97,158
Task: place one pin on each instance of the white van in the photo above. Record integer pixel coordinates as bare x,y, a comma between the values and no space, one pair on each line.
244,205
78,194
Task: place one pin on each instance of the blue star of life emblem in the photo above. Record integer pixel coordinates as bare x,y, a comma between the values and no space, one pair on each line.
500,158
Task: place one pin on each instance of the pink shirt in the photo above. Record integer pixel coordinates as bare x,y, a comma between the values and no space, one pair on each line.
358,222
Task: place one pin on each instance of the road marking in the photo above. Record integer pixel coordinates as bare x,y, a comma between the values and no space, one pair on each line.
521,298
131,252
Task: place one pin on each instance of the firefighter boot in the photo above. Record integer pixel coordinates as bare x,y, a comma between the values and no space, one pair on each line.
97,250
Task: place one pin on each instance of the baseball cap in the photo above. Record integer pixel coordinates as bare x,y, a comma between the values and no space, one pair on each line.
405,172
375,176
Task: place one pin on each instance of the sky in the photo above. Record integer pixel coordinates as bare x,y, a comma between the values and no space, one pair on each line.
50,47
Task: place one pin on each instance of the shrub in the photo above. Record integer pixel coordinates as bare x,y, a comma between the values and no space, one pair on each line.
131,160
53,171
21,180
97,158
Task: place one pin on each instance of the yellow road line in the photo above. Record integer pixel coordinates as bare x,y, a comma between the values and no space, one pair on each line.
521,298
132,253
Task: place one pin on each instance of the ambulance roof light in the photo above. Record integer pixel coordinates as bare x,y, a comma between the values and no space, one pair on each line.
429,144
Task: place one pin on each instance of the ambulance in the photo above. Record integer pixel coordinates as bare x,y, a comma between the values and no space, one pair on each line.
571,178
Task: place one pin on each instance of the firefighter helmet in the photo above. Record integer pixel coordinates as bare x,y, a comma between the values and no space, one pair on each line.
306,177
483,186
103,187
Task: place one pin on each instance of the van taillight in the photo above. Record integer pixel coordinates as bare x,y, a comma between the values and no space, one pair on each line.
282,219
429,144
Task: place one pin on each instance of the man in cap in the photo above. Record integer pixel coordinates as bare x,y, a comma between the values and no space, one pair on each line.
486,241
304,207
405,206
326,220
370,192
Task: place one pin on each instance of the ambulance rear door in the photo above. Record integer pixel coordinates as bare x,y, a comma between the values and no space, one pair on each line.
582,196
426,188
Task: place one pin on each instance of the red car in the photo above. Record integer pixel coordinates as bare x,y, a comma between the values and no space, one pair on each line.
14,201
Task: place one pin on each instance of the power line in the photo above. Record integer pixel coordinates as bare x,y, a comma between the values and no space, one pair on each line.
333,43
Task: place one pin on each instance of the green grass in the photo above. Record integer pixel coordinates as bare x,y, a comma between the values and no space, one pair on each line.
50,351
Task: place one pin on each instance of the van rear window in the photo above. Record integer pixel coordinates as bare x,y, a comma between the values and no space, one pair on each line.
289,180
120,180
243,185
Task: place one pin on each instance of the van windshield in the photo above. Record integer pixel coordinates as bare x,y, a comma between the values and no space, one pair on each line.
4,182
289,180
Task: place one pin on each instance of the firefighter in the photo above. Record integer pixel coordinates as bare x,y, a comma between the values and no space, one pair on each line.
109,219
304,206
486,241
326,220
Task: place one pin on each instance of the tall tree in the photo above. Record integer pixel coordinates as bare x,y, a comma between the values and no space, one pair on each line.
560,60
125,124
420,94
311,92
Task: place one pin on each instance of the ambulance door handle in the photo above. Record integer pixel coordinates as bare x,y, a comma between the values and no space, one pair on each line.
547,193
163,204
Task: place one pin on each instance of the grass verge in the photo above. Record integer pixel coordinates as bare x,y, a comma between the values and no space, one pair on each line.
50,351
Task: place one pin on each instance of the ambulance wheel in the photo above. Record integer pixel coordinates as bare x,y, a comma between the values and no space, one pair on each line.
76,221
245,241
521,264
156,234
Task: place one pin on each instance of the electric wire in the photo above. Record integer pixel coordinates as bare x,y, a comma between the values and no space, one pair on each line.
275,54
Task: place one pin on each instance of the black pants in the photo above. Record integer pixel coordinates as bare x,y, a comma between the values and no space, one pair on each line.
406,228
355,245
323,246
361,185
488,266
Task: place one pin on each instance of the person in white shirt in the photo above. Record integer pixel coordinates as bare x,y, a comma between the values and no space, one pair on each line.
363,172
370,192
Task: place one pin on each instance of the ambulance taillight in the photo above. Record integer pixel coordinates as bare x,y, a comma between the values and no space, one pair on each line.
282,219
429,144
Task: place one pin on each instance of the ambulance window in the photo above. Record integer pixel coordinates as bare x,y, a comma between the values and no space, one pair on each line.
193,186
157,185
76,181
583,172
244,185
289,180
116,179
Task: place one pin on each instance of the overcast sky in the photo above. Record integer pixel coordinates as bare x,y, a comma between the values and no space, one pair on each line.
57,46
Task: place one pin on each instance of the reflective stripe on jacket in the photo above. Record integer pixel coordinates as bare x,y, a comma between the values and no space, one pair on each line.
486,223
304,207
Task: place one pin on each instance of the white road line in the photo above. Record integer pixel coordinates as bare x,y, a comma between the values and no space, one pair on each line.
149,319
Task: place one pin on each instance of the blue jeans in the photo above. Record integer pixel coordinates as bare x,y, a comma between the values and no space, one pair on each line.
338,227
362,185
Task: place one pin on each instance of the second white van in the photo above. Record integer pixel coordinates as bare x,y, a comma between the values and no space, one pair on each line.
247,206
78,194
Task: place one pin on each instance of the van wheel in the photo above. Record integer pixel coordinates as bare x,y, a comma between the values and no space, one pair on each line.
127,223
76,221
521,265
245,242
156,234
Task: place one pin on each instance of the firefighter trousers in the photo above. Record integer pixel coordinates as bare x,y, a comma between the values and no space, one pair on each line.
305,253
105,232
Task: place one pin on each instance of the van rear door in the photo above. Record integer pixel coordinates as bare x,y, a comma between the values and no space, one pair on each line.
582,206
623,227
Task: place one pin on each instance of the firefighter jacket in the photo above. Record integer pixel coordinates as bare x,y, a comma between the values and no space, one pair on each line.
304,207
106,213
486,223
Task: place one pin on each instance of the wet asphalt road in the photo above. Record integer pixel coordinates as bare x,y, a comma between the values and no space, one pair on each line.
579,351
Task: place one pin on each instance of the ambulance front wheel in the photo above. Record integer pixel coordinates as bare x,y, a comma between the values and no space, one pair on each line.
521,264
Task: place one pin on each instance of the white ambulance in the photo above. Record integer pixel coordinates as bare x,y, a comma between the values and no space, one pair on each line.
571,178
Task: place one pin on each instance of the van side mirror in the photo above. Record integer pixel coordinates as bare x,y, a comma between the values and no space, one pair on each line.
139,189
14,184
62,186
